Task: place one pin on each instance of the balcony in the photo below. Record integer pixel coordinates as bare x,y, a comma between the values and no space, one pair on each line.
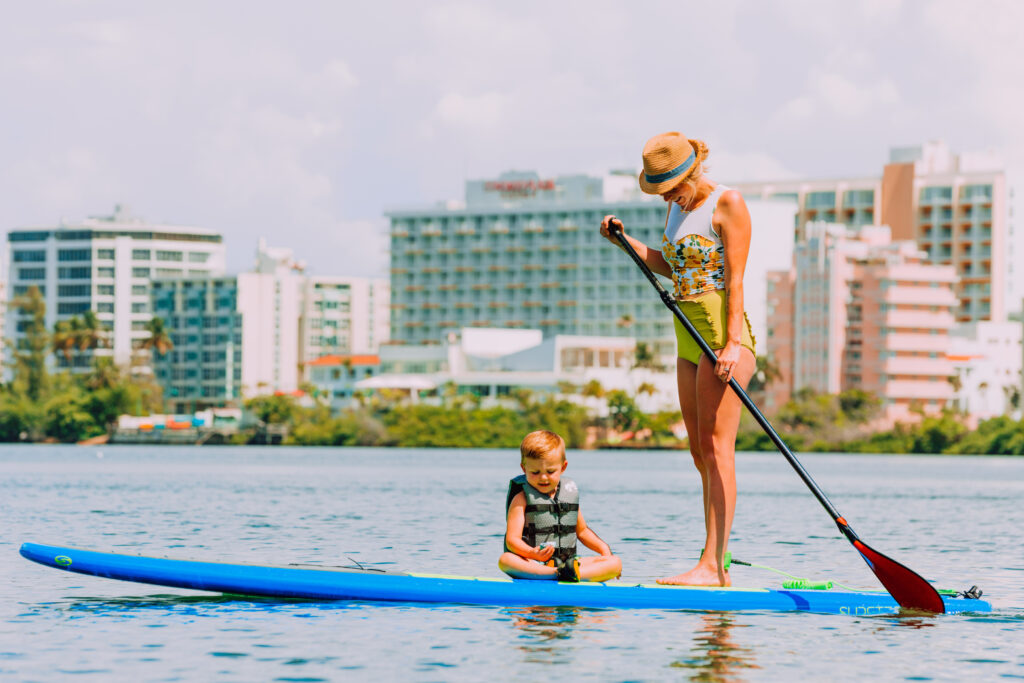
923,390
918,365
919,296
942,320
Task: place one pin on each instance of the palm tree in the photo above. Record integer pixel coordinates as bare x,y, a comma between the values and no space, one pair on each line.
593,389
567,388
29,359
159,340
91,333
647,389
644,357
765,374
64,339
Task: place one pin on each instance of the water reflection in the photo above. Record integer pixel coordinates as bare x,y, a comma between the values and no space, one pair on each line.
544,630
715,657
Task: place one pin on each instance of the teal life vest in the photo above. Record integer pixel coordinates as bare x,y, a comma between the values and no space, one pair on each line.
549,519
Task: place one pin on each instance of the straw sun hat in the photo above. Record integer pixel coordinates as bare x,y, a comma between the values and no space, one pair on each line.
668,159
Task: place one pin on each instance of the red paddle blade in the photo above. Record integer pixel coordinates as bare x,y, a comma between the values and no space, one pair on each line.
906,586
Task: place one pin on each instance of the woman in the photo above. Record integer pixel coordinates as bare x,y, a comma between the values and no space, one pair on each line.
704,251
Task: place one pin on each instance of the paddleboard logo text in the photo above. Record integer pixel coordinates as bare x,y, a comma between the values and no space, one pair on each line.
62,561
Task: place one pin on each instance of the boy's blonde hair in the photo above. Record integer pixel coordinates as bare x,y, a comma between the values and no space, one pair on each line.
541,442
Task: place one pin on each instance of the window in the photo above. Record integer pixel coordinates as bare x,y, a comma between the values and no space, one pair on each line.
105,272
140,290
31,273
34,256
140,307
105,307
104,254
73,290
141,254
72,307
168,255
74,255
105,290
74,273
198,257
168,272
140,272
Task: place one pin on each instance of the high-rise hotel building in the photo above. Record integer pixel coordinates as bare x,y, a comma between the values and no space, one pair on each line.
525,252
106,264
955,208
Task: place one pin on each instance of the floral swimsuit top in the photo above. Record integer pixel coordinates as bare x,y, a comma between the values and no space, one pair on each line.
693,249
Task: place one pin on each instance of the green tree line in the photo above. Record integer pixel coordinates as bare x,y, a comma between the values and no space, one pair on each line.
39,405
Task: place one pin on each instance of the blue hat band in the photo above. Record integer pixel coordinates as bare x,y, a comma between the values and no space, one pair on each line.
674,173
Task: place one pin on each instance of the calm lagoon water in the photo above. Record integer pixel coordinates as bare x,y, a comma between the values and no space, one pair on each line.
955,520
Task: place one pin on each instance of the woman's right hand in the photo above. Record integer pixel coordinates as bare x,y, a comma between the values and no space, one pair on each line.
606,230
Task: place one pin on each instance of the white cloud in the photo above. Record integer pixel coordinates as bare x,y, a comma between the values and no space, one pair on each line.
737,167
482,111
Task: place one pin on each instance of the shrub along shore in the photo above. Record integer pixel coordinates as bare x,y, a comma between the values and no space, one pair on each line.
37,405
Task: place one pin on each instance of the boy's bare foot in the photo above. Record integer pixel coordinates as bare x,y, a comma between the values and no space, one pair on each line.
698,576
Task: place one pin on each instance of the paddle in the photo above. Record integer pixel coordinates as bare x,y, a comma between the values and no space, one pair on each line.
908,588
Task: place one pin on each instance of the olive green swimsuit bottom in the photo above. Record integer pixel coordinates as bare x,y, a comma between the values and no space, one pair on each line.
707,312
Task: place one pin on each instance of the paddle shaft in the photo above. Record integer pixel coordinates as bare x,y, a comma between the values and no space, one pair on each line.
615,227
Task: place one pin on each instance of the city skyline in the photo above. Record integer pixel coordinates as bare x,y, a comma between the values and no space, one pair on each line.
307,129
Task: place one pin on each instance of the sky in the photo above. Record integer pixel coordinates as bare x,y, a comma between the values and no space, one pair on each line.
305,122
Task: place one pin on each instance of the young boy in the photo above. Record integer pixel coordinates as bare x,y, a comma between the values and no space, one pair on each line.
543,521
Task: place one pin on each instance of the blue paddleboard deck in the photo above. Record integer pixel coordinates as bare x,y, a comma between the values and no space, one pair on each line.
336,583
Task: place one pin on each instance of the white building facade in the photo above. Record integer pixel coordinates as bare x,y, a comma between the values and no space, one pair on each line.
106,264
343,316
987,359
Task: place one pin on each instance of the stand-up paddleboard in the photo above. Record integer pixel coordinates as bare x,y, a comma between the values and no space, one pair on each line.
342,583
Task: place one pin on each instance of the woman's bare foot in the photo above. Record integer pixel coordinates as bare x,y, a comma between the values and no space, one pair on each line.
701,575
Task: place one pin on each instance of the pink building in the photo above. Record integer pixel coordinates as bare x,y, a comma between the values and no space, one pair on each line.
955,207
867,313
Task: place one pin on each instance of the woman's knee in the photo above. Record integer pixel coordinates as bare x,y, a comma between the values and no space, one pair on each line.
696,453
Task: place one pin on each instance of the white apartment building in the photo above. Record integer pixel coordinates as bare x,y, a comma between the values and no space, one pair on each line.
342,316
106,264
240,336
234,337
987,359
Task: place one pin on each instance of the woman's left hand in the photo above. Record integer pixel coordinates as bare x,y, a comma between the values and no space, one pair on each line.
728,360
